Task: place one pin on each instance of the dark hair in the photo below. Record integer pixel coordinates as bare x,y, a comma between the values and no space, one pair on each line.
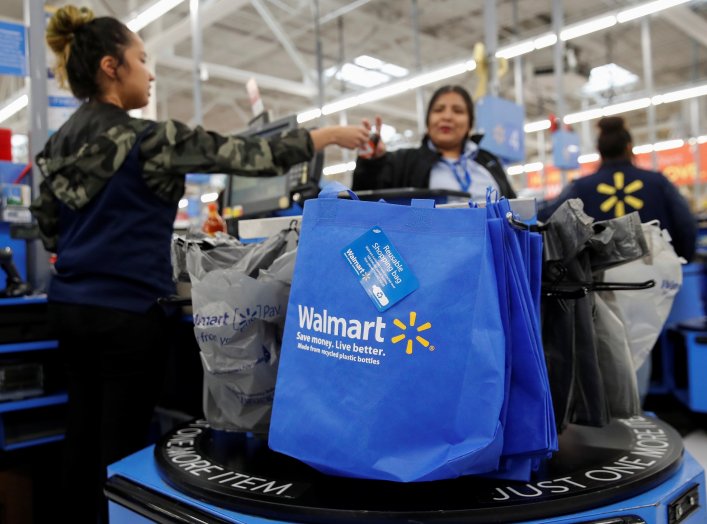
452,89
79,42
614,138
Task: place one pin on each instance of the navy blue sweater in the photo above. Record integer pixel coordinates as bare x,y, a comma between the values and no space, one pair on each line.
115,251
619,187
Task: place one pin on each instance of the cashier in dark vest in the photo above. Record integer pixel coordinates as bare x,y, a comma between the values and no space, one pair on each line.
619,187
448,158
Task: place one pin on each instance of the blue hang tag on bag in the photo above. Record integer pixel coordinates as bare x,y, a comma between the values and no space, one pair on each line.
381,271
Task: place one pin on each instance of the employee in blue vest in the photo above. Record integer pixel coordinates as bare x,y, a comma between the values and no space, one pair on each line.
107,204
448,158
619,187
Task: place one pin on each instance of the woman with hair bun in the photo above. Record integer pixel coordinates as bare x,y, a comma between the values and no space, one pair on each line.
106,207
619,187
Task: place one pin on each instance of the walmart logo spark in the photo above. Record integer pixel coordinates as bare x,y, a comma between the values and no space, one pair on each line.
614,201
423,341
246,319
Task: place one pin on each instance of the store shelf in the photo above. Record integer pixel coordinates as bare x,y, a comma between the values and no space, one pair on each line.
28,346
36,402
23,301
33,442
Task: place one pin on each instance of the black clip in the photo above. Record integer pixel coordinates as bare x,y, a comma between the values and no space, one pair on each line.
294,225
519,224
622,286
574,290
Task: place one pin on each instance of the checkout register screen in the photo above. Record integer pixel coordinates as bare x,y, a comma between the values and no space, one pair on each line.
257,196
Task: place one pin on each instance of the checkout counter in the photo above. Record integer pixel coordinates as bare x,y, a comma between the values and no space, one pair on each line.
631,472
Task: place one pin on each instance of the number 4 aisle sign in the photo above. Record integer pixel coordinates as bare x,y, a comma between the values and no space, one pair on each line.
501,123
13,54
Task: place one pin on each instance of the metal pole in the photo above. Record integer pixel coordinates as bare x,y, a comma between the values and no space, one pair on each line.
558,55
518,74
37,257
196,59
419,92
695,128
343,116
320,59
491,41
542,155
695,132
517,61
648,79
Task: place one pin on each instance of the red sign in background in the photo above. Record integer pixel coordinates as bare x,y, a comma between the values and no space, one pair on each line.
677,164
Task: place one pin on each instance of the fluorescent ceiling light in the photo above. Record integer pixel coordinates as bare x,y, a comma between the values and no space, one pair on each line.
516,50
668,144
590,26
589,157
646,148
383,92
367,71
337,169
545,41
151,13
13,107
533,166
624,107
439,74
340,105
682,94
632,105
309,114
583,116
586,27
540,125
183,203
368,62
388,90
516,169
394,70
647,9
361,76
608,76
702,139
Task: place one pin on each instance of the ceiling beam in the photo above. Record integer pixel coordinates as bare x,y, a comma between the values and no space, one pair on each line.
209,13
240,76
687,22
286,42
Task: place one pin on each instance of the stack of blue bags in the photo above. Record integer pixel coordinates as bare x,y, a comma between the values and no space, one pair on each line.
412,348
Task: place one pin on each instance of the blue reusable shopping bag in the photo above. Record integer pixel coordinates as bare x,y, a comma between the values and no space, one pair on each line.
529,423
409,390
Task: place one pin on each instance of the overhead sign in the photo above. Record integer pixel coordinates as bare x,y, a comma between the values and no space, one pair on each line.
565,149
501,123
13,52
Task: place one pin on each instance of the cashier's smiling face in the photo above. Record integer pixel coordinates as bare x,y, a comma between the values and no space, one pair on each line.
448,123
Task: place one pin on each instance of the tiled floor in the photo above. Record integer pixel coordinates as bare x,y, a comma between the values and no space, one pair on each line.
692,426
696,443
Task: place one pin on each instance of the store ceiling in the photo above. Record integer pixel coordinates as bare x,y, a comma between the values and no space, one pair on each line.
276,39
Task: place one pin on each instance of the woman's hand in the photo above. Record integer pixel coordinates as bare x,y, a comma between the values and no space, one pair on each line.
349,137
375,148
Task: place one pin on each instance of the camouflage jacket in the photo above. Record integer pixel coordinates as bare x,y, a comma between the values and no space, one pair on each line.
82,156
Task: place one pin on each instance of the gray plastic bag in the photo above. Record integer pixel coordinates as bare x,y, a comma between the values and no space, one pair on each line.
238,324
